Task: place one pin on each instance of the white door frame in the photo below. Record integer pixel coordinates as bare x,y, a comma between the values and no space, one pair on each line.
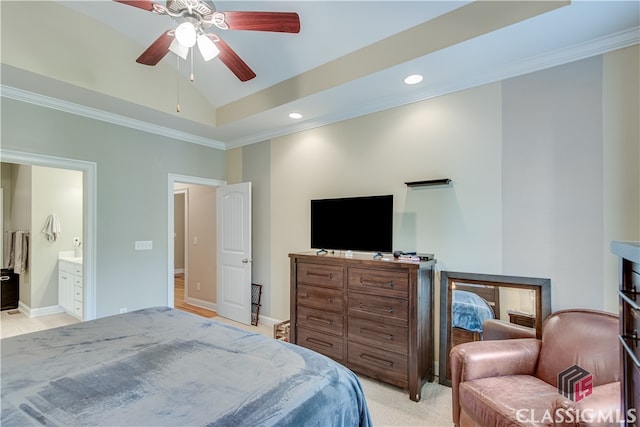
90,196
172,181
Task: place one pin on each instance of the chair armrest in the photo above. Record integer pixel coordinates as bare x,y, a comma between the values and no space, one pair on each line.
602,407
495,329
481,359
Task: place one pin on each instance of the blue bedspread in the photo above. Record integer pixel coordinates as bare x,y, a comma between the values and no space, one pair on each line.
469,310
163,367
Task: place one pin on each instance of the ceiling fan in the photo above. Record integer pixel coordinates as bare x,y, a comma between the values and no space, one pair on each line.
195,17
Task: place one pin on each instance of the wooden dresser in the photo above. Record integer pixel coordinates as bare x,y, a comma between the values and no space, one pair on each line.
373,316
629,295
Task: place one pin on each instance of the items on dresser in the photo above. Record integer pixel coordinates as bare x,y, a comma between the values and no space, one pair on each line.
629,318
373,316
70,286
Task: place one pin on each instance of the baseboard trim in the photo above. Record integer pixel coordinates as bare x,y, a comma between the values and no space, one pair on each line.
40,311
201,303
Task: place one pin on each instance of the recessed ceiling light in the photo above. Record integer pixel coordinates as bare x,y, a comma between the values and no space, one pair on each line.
295,115
413,79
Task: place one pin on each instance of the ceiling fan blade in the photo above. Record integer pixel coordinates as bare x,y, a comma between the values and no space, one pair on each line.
232,60
141,4
157,50
281,22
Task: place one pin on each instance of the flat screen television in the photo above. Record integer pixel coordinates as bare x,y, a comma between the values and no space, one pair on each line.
353,223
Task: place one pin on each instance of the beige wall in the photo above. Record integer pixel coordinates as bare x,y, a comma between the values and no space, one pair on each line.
584,150
455,136
179,228
56,191
621,157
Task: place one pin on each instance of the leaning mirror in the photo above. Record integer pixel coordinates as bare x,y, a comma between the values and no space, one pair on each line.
468,299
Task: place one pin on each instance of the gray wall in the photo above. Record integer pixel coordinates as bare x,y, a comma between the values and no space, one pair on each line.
132,180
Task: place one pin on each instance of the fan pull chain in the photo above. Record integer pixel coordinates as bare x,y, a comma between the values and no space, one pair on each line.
178,84
191,55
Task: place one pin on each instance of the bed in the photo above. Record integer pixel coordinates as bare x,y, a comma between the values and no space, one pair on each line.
163,367
471,305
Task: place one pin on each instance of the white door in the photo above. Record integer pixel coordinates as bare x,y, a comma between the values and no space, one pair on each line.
234,251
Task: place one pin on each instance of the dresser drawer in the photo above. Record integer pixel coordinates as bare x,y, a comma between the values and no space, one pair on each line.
325,321
378,334
382,282
329,345
367,305
373,358
320,298
322,275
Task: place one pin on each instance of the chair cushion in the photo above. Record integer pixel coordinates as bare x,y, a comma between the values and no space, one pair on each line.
507,401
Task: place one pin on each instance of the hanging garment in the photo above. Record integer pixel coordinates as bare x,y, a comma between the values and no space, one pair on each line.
52,227
20,251
7,251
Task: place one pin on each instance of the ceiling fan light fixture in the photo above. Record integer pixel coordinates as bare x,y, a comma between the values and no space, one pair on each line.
179,49
186,34
207,47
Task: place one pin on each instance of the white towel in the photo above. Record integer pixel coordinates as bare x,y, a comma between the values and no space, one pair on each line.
52,227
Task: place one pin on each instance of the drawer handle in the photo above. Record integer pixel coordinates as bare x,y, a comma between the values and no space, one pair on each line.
389,284
374,309
376,359
365,331
623,340
319,342
4,278
330,299
317,319
313,273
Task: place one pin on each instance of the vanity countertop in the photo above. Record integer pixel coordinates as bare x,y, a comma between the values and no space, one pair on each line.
71,259
69,256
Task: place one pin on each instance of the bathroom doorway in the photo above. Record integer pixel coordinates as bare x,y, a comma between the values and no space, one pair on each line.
87,236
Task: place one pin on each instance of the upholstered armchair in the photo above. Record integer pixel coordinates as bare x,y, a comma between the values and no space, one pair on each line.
515,381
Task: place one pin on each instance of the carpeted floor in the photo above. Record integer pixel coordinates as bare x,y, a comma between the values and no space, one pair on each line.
391,407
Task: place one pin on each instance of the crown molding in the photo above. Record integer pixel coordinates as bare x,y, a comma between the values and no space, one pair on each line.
554,58
93,113
551,59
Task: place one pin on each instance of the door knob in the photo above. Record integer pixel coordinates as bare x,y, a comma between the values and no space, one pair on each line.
246,260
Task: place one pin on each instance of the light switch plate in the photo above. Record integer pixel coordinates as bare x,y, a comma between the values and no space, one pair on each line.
144,245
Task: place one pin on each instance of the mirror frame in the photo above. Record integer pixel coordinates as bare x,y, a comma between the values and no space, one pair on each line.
542,296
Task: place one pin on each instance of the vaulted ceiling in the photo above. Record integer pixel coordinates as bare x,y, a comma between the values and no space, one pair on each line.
349,59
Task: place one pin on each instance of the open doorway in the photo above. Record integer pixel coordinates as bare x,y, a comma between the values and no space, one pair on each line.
195,248
191,226
88,234
232,240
